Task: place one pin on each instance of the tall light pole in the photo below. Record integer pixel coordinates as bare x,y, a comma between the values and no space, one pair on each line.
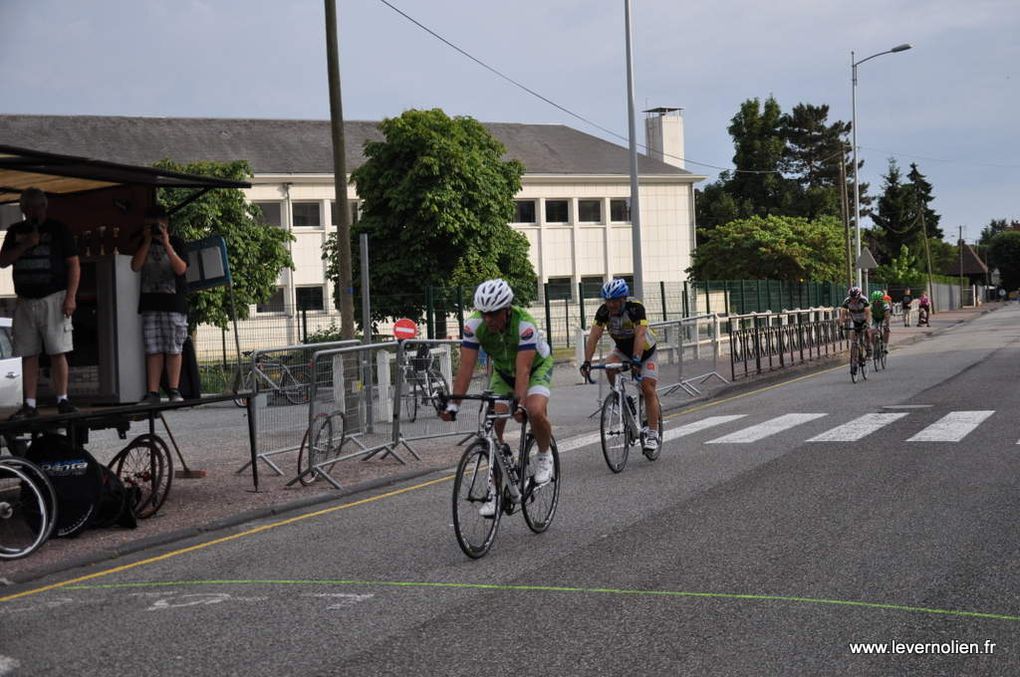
853,129
635,206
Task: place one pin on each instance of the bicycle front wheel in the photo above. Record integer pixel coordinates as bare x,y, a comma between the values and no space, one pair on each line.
25,520
613,429
145,465
539,502
471,491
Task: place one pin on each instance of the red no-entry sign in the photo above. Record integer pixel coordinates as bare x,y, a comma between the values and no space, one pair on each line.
405,329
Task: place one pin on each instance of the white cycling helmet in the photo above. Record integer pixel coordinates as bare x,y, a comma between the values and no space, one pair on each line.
854,292
493,295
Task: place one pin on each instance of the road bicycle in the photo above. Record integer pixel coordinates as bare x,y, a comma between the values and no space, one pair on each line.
878,351
623,426
426,386
266,375
322,442
858,360
490,471
146,465
28,507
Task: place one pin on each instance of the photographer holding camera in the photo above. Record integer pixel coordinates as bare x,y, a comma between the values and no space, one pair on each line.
163,305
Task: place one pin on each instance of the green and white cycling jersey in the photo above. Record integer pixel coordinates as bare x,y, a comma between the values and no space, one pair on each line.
521,334
879,310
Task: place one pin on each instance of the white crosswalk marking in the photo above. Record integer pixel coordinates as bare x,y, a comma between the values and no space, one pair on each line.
858,428
952,427
697,426
763,430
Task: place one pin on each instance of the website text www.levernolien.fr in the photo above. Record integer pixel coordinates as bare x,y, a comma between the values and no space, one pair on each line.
952,647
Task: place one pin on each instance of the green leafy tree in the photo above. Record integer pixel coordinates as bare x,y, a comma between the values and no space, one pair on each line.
904,214
437,200
814,151
994,227
1005,251
774,247
923,197
256,251
906,269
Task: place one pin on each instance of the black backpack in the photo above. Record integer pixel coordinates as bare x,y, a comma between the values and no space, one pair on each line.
88,493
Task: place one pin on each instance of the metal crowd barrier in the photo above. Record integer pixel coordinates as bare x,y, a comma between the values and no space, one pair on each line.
281,380
766,341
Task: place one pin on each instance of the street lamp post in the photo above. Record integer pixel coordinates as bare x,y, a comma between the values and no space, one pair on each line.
853,130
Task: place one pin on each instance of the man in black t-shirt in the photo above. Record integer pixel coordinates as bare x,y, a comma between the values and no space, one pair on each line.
162,304
46,274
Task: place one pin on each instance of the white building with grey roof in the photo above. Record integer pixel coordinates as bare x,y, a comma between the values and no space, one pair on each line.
573,205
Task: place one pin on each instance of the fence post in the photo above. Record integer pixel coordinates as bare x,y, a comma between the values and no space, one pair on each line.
726,296
580,295
566,319
686,300
429,328
548,314
304,325
662,293
460,309
708,297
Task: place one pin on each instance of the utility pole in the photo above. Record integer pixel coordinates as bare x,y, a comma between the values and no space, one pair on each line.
343,221
961,266
927,254
845,212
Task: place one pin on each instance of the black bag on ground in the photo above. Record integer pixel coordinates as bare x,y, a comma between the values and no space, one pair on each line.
87,493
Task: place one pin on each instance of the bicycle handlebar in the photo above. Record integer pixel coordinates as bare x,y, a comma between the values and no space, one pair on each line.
615,366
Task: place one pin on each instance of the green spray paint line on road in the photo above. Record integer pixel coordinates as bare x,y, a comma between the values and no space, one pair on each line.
675,594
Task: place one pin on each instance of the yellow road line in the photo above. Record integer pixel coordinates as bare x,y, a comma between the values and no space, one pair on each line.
325,511
224,539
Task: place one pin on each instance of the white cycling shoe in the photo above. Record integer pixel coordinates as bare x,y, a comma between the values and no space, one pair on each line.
543,465
488,508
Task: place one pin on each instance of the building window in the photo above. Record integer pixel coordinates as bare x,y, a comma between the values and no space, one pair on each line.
629,279
310,298
274,304
306,215
557,211
589,211
558,288
355,211
524,211
592,286
619,210
271,213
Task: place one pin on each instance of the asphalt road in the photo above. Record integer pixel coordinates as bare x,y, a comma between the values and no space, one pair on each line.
778,528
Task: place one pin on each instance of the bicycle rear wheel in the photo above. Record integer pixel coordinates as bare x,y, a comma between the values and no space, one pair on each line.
471,489
293,389
440,391
243,381
539,502
25,520
145,464
613,429
411,401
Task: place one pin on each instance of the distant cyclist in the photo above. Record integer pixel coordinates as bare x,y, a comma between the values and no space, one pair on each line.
628,326
515,347
881,311
856,310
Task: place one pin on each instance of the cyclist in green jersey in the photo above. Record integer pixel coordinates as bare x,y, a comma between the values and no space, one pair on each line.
881,311
515,347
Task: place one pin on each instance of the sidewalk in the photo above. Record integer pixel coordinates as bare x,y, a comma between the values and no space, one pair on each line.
214,439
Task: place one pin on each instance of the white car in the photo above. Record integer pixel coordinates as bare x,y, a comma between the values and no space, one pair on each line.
10,368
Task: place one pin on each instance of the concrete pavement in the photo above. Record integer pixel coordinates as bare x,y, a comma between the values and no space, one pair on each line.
214,439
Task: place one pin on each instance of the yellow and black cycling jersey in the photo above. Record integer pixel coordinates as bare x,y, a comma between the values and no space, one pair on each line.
621,326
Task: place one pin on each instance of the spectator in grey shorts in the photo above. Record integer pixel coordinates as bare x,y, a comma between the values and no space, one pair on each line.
46,274
163,305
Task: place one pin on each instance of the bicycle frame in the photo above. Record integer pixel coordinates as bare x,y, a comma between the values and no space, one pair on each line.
619,386
487,432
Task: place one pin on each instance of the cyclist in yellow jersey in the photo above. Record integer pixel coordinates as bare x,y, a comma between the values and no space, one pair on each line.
627,323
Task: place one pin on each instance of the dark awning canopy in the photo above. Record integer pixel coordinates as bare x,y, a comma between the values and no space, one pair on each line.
21,168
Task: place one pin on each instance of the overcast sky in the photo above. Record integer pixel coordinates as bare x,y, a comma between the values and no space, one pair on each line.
951,104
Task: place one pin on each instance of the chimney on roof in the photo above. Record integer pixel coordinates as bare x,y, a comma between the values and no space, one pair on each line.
664,135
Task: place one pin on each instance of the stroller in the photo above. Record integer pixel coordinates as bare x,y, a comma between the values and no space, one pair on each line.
922,314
